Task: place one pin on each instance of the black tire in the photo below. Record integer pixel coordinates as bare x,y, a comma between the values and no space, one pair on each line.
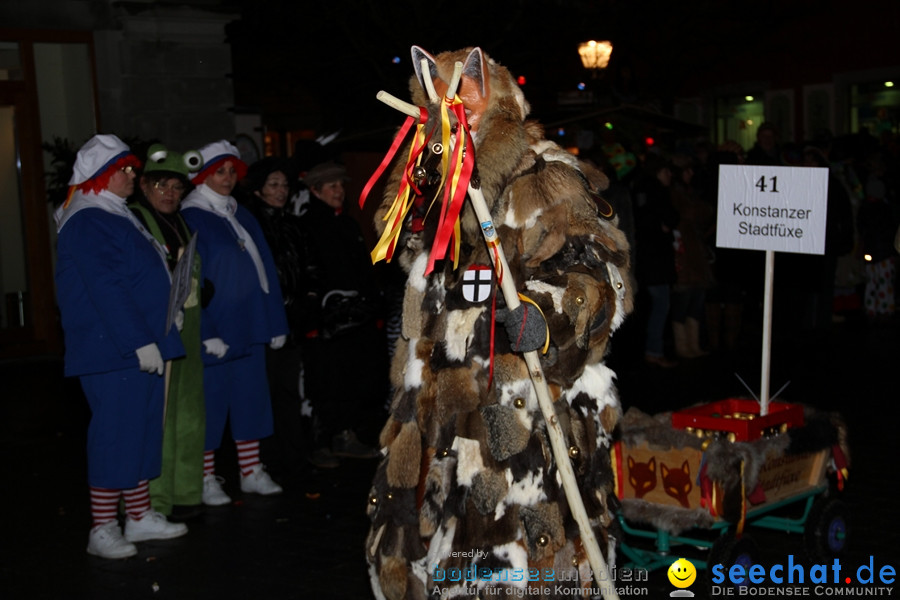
827,530
729,550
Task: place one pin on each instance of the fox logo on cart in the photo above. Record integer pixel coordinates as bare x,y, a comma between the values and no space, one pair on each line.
642,476
677,482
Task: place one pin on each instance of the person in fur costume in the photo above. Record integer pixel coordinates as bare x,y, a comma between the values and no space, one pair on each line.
468,494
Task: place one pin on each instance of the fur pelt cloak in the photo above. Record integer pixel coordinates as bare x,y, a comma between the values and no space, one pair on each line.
467,495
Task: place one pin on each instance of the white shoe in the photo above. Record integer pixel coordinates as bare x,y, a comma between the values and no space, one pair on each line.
106,541
259,482
152,526
212,491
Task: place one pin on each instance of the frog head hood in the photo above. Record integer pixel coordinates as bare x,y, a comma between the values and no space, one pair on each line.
162,160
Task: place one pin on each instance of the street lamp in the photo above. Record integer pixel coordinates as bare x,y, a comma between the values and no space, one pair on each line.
595,55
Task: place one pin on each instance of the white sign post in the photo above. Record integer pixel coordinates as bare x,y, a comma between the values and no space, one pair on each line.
773,209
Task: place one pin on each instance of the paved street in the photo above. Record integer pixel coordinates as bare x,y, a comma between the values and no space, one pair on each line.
308,543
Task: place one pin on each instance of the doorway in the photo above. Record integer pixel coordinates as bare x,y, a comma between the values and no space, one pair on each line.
28,316
14,310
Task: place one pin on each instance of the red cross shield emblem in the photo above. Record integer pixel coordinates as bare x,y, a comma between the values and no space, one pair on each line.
476,285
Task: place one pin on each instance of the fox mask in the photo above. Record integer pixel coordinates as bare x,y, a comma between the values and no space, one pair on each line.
481,76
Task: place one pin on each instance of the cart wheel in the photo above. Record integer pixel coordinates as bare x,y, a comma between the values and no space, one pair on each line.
826,530
729,550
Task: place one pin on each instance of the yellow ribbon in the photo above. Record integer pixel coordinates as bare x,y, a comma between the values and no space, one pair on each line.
546,347
396,215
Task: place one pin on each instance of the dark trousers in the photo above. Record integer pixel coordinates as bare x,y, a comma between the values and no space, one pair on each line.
346,380
292,441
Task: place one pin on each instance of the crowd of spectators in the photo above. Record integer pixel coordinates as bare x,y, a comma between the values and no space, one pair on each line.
695,298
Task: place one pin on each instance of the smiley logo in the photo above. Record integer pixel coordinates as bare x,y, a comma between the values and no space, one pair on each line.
682,573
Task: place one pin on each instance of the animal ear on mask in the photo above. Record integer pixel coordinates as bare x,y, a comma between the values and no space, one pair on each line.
418,55
473,69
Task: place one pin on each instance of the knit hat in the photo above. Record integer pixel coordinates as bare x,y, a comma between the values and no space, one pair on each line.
214,154
159,159
98,154
325,173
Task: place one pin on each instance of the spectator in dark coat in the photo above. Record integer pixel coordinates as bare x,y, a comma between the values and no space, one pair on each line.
266,191
345,355
655,220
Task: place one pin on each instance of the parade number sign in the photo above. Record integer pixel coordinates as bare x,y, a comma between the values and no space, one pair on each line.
772,208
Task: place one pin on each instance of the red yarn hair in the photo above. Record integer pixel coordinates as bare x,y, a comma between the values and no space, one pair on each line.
100,182
240,168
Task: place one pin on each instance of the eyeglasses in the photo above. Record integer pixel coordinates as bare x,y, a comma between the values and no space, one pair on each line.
172,187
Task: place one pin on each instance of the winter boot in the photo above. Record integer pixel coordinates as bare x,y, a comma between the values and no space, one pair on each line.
692,329
713,324
680,337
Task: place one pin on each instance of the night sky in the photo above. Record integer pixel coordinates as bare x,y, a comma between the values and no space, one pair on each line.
319,65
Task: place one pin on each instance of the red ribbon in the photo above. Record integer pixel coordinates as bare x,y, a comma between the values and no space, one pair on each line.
398,141
493,329
498,271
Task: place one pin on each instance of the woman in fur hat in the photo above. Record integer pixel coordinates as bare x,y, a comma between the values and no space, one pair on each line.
245,314
113,289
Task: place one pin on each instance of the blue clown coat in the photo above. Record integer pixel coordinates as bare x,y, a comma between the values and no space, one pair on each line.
244,316
113,292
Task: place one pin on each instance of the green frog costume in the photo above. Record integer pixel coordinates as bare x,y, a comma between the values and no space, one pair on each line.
180,483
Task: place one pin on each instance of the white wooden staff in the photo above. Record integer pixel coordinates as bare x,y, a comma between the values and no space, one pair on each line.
532,360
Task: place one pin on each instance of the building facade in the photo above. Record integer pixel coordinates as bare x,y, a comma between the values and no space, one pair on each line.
70,69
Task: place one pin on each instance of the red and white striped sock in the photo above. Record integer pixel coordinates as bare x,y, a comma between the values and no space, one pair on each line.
137,500
248,455
104,505
209,462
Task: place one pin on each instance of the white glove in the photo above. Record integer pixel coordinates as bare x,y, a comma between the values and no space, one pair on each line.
179,320
277,342
216,347
150,359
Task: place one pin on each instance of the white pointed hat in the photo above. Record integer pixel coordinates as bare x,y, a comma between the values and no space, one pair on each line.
98,154
215,153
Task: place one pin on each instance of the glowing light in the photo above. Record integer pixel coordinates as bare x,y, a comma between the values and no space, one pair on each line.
649,141
396,60
582,86
888,84
595,55
608,125
867,257
560,132
749,121
520,80
748,98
